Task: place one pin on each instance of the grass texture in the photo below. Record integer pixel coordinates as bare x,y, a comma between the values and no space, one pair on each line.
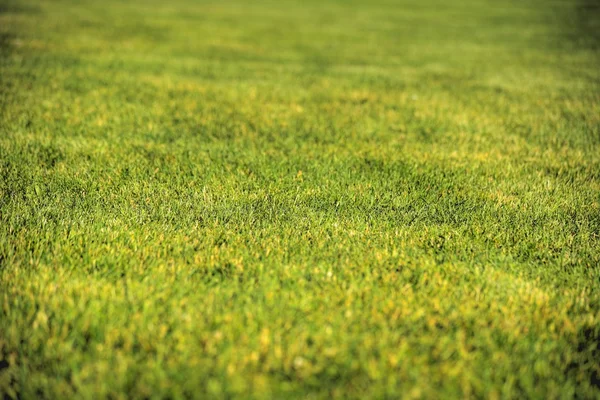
299,199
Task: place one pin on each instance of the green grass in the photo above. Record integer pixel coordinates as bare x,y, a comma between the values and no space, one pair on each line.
305,199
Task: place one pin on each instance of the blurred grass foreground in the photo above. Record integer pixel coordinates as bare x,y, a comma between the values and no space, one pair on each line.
299,199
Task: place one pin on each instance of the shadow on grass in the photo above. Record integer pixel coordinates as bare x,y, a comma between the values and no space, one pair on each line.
588,23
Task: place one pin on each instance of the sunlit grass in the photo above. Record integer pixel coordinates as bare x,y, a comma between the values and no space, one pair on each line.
299,199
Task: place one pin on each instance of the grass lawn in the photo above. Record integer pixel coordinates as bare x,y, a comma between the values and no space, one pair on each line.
299,199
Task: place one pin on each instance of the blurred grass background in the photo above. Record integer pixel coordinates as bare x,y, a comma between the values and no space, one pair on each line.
299,199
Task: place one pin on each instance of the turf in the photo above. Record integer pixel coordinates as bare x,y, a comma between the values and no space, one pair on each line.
299,199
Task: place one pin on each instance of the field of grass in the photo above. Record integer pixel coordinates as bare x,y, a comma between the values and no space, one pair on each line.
299,199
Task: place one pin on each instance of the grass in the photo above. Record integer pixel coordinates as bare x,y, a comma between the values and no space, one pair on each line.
299,199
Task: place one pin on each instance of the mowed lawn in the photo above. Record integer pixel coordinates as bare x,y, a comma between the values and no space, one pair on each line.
299,199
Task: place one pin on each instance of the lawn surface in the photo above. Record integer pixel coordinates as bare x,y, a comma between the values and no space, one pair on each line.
293,199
